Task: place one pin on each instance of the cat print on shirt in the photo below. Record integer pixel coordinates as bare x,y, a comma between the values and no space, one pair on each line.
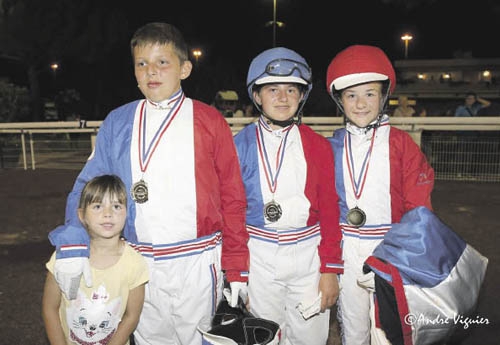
93,321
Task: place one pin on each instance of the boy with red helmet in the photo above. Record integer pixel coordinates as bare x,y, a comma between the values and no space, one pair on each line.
292,214
381,173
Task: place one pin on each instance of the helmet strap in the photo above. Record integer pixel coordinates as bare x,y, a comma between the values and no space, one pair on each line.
282,124
375,124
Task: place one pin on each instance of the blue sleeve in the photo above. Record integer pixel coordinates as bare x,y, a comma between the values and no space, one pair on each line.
71,239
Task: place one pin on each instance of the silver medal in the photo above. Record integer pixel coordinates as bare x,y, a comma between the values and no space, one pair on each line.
272,211
356,217
139,192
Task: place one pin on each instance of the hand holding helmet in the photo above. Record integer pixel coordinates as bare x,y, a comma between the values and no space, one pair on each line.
237,326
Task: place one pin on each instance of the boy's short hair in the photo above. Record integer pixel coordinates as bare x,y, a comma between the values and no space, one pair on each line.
160,33
99,186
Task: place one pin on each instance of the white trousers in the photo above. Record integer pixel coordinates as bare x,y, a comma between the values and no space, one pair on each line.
354,300
282,276
181,292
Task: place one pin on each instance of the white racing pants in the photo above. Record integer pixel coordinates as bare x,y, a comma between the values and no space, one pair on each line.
284,271
354,300
184,288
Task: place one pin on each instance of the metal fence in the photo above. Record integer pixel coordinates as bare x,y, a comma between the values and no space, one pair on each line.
466,156
468,151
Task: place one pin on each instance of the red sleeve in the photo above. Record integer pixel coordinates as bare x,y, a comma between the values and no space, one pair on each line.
221,194
321,192
412,177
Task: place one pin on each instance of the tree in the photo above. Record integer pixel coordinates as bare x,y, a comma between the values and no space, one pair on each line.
14,105
36,33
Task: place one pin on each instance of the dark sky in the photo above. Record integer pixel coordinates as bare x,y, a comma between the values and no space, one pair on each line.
231,32
320,28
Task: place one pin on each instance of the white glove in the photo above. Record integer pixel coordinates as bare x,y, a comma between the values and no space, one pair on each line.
367,281
237,289
310,308
68,272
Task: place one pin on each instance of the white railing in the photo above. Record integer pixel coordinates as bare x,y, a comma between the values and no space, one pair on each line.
50,144
324,125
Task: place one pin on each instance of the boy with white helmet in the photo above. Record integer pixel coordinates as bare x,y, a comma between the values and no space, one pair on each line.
292,214
381,173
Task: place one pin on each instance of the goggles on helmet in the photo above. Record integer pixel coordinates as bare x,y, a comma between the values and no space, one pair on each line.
285,68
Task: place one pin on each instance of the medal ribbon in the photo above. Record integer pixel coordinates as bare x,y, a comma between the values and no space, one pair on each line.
145,153
272,181
359,184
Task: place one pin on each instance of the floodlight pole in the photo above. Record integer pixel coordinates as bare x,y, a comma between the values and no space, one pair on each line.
274,23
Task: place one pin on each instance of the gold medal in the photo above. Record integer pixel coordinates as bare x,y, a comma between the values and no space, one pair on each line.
272,211
356,217
139,192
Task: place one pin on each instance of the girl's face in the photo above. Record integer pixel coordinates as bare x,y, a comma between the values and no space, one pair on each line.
105,219
158,71
279,101
362,103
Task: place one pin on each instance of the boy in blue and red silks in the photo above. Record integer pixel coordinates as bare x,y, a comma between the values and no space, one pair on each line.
292,215
186,205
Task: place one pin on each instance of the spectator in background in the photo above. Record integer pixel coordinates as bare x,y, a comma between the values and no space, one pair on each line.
472,105
403,109
421,112
249,111
467,138
227,102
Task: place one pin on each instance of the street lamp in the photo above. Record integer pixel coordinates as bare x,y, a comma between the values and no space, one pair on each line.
406,38
54,66
275,24
197,54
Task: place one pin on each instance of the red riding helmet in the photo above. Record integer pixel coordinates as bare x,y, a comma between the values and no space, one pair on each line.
359,64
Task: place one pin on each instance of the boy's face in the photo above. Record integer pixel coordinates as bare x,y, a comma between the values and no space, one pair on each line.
279,101
362,103
158,71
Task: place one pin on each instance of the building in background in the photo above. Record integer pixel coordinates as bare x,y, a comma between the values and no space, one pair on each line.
439,85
